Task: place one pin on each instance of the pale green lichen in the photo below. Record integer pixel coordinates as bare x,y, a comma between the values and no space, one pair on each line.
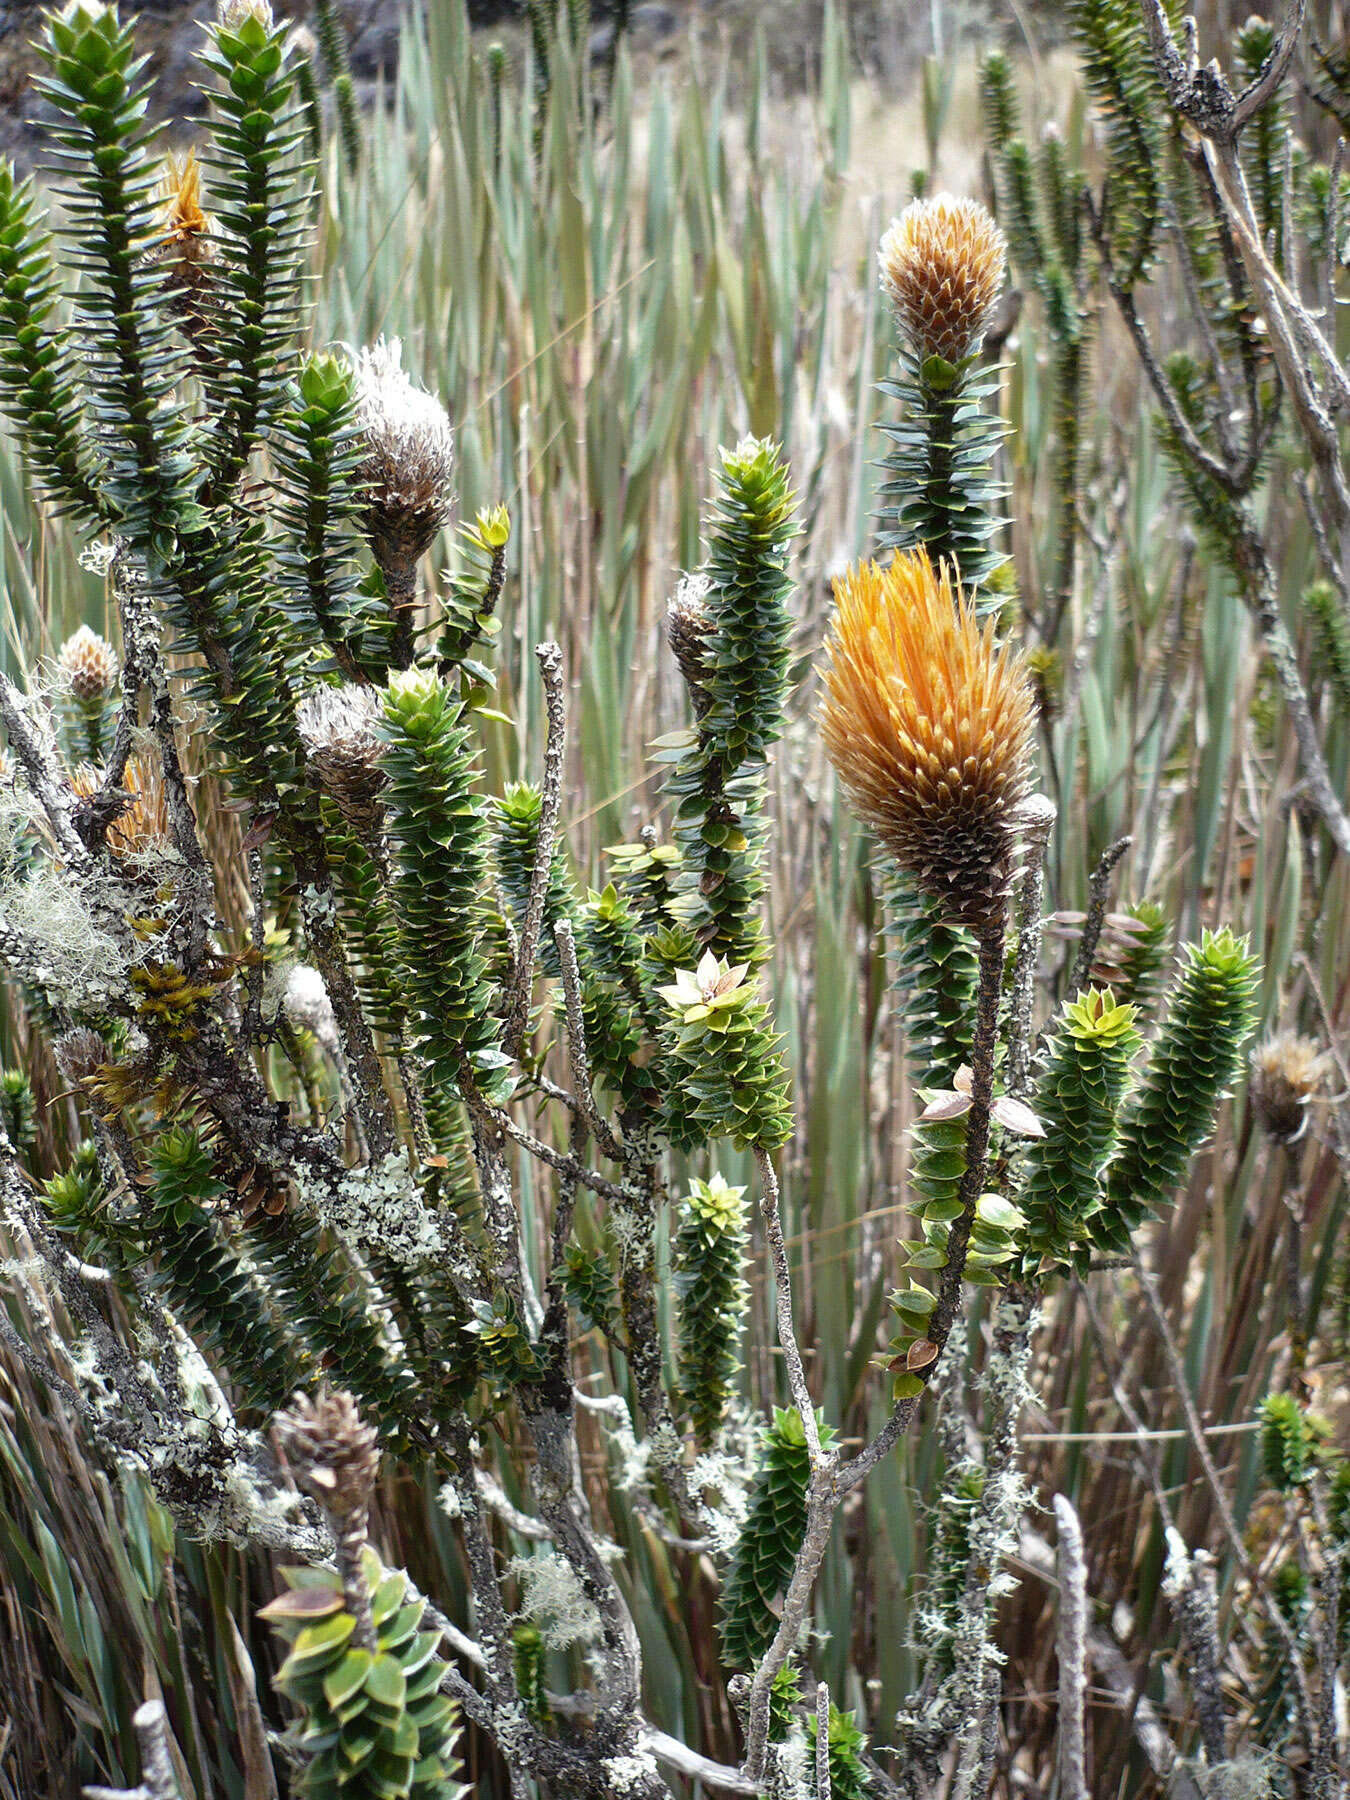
553,1598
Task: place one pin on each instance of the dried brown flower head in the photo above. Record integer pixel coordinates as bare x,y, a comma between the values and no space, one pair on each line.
89,663
942,264
409,457
339,727
143,823
1287,1072
329,1451
929,725
688,626
80,1054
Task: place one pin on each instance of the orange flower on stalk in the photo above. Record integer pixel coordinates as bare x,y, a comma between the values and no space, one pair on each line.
942,264
928,723
186,231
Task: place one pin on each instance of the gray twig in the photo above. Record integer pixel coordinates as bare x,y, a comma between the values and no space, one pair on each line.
1096,914
1073,1620
151,1725
824,1788
48,789
550,659
1037,820
565,938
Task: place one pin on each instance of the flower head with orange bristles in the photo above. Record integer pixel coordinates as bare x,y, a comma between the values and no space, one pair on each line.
142,825
186,231
942,264
929,723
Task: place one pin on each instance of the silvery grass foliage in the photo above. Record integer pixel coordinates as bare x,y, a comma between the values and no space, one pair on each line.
301,1237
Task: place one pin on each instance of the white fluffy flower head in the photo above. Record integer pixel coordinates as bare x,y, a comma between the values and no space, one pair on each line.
409,458
233,13
340,729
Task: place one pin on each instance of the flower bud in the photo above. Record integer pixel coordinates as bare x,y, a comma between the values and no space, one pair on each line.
184,244
408,462
329,1451
688,628
89,663
339,727
231,14
942,264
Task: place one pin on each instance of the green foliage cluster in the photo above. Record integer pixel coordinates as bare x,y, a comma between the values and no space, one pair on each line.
1040,209
933,970
375,1724
1191,1064
1118,68
939,490
960,1504
202,1274
1084,1079
717,781
769,1540
678,1029
436,821
722,1060
316,453
515,815
1286,1442
709,1254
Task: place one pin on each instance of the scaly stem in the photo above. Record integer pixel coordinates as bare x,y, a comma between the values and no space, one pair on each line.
829,1481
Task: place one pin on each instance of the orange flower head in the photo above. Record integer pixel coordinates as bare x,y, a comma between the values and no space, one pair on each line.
942,264
143,824
184,243
929,723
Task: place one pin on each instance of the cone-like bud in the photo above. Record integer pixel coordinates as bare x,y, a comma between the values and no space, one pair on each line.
929,726
942,264
234,13
1287,1071
89,663
340,729
329,1451
409,457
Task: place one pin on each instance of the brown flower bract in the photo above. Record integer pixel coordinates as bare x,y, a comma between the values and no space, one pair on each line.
89,663
929,725
330,1451
942,264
